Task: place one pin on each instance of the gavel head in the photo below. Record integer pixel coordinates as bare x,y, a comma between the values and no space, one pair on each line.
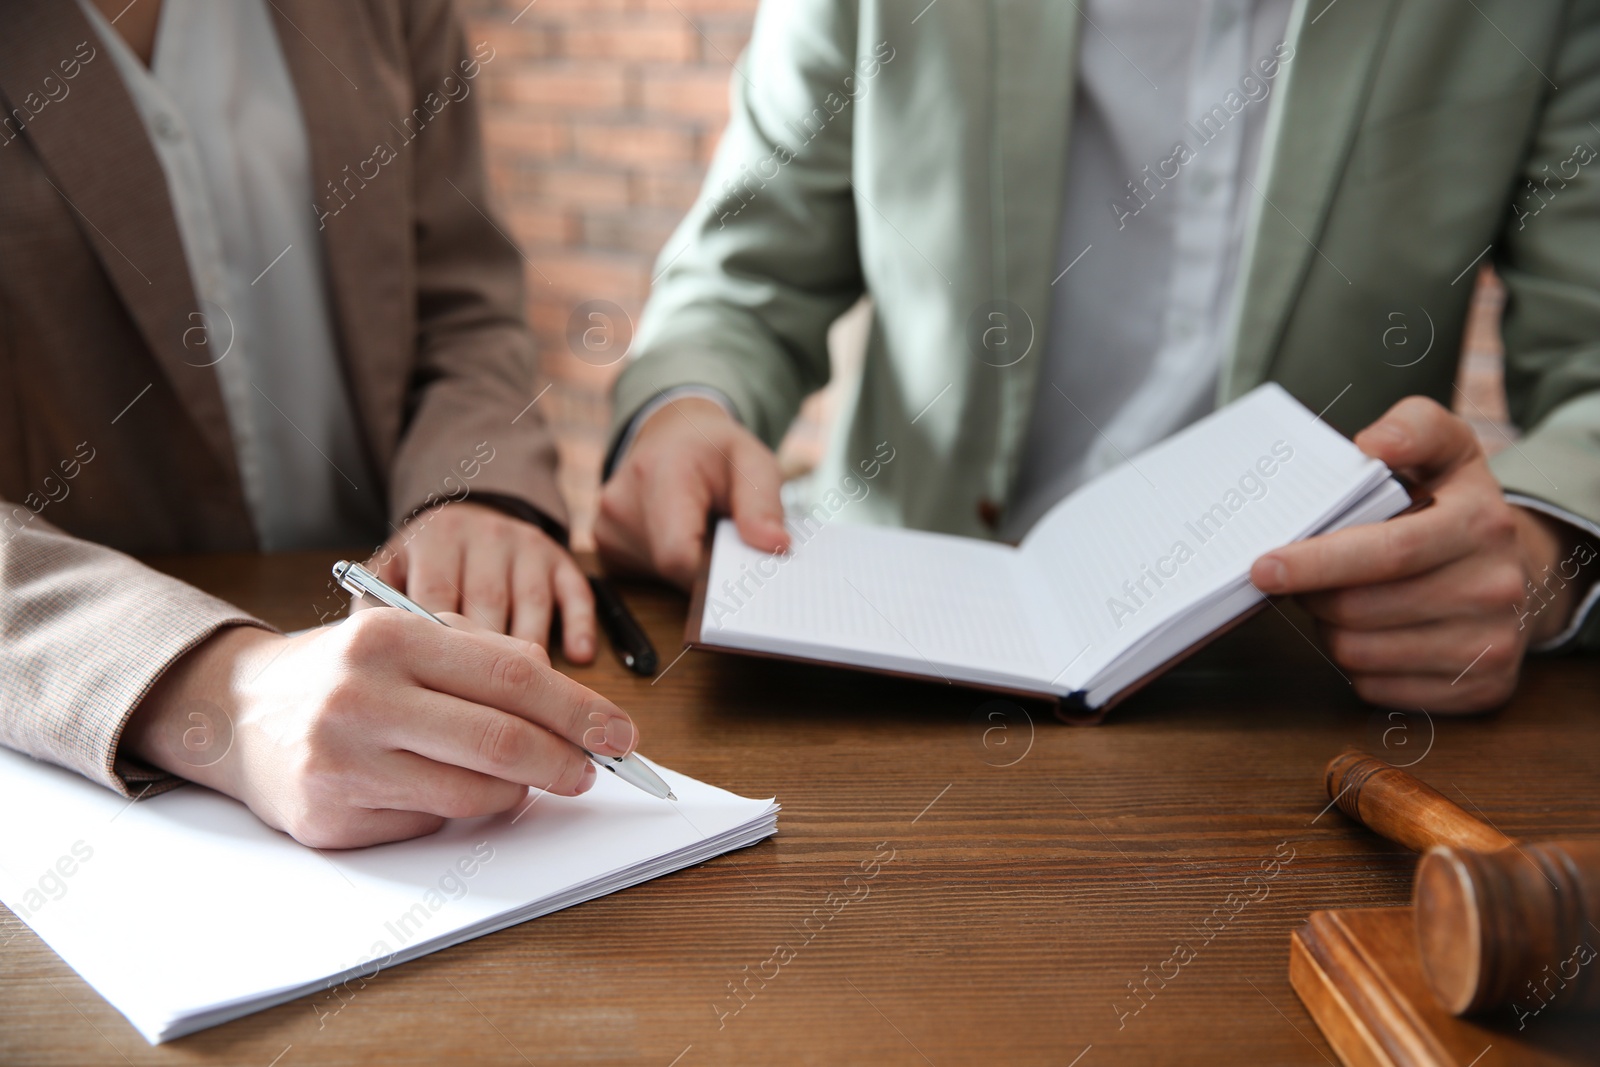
1519,924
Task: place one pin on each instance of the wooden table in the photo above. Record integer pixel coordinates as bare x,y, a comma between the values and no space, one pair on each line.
1040,872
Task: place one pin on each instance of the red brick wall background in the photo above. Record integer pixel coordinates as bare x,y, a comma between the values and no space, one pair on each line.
601,116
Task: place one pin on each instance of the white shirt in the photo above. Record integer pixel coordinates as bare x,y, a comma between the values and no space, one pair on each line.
1142,308
225,122
1167,126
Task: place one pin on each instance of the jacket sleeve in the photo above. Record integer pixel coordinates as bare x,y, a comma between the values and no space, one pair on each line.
470,426
1549,258
85,631
766,259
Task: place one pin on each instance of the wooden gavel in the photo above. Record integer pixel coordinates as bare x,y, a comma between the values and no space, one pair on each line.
1497,921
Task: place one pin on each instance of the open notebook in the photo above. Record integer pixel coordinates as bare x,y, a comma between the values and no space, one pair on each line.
185,911
1118,580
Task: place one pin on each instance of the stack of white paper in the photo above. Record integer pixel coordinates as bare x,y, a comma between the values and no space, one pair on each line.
185,911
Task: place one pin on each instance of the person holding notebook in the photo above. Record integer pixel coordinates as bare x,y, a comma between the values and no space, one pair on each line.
1083,226
252,300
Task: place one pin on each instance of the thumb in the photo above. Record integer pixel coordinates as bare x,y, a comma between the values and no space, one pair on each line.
1420,436
753,495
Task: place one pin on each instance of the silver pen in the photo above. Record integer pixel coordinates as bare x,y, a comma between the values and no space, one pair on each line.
359,581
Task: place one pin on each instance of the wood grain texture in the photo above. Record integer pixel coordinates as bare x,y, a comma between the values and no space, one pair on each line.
1398,805
1358,973
1041,873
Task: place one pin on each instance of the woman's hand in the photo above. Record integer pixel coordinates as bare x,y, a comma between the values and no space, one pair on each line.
500,572
377,729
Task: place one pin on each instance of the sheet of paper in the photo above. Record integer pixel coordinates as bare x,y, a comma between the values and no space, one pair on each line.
874,596
184,910
1185,519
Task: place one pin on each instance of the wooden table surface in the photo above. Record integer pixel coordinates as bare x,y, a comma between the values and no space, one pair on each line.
1039,872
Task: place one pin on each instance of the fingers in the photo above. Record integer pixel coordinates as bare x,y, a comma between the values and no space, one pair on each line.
498,673
1458,589
1363,555
389,564
409,782
577,610
495,756
1469,516
1411,691
356,828
433,572
1443,649
688,458
488,556
675,507
530,599
535,652
754,499
1420,436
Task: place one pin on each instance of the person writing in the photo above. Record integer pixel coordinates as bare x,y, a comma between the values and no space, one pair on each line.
1084,226
252,301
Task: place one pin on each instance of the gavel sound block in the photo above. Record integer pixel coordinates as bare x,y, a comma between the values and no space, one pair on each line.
1493,922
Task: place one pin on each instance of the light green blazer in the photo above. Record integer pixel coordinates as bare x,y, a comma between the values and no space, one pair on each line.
915,152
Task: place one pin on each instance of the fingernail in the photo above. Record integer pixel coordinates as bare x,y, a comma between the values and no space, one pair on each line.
586,783
582,647
1273,575
620,735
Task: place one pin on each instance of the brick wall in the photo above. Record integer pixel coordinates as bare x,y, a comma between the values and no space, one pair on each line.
601,117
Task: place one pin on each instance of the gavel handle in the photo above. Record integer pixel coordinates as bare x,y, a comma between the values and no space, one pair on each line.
1391,802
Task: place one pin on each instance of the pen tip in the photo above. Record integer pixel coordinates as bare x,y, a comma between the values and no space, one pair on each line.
671,795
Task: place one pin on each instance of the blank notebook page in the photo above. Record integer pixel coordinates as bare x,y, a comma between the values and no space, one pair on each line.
875,594
1189,516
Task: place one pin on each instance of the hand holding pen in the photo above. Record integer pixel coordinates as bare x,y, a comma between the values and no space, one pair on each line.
630,768
378,729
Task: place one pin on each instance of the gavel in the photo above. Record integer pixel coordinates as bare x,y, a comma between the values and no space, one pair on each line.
1497,920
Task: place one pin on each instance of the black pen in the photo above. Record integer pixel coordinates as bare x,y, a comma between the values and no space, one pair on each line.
627,636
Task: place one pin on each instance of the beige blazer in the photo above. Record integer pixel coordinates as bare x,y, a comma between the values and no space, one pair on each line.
113,434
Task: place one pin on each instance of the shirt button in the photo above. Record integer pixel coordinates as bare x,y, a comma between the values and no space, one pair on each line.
167,127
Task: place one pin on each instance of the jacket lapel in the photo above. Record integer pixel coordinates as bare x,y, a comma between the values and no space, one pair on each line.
347,101
1034,53
1336,49
95,151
